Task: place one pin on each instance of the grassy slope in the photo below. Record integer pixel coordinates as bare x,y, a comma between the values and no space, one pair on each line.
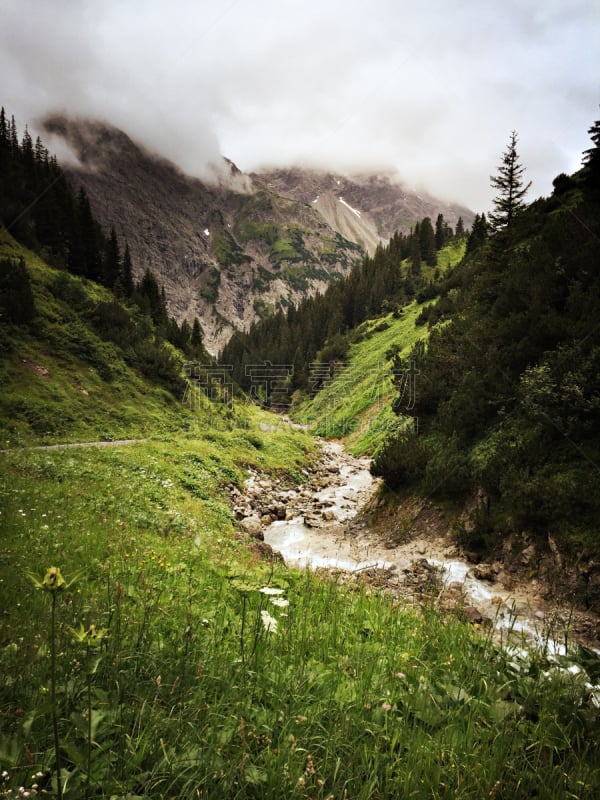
357,404
355,695
52,373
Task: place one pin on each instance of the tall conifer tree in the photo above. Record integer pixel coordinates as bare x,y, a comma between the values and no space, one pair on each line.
511,188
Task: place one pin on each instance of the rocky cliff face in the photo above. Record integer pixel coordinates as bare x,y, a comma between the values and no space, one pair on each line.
364,208
232,250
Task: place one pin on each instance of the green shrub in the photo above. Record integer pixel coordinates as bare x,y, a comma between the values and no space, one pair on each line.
400,459
17,304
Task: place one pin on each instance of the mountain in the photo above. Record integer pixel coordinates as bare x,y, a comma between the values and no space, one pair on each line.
233,249
364,208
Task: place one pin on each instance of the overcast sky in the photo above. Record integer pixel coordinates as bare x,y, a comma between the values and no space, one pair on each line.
431,89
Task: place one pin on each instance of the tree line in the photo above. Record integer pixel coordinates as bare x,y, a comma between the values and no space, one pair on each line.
319,327
507,397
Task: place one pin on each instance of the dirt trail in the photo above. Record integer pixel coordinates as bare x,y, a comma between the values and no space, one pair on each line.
66,446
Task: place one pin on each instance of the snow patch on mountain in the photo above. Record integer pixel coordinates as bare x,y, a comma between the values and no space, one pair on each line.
353,210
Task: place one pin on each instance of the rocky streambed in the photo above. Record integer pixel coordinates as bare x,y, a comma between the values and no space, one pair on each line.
322,525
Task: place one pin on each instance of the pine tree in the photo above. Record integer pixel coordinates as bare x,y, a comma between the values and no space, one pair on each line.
27,146
591,157
127,284
427,239
17,303
3,128
440,232
13,137
111,268
478,233
415,250
460,228
196,338
510,186
41,153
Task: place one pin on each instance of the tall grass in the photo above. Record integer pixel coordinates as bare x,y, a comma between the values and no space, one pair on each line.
223,675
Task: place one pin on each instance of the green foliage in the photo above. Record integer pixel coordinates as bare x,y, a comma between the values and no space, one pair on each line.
83,367
298,277
17,304
211,283
355,398
289,246
175,672
507,395
227,251
399,458
511,188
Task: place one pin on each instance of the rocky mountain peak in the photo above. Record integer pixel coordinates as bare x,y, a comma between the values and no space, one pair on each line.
234,247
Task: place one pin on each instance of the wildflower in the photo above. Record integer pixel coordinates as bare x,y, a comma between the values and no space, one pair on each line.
280,602
53,581
91,636
269,622
400,676
271,590
386,706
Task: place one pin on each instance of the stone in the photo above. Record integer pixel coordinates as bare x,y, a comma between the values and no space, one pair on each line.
278,510
473,615
253,527
527,557
484,572
267,552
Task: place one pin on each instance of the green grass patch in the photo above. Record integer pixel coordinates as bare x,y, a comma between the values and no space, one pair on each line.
211,284
197,683
227,251
356,405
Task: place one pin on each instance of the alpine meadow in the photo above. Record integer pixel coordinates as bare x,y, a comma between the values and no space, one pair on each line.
153,644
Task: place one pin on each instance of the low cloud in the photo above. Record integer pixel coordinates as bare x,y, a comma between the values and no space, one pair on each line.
432,92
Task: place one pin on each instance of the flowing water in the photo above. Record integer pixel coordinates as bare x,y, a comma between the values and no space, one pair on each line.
333,546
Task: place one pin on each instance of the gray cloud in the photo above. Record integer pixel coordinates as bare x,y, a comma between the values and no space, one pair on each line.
432,90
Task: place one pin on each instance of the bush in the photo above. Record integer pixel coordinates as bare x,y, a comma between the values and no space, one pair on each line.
17,304
400,459
447,471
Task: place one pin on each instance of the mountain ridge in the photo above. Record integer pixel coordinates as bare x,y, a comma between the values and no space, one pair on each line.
234,249
380,201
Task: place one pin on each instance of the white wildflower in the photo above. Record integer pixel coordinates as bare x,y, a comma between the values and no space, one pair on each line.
271,590
269,622
281,602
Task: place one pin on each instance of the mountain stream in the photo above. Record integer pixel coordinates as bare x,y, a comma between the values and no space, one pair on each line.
319,526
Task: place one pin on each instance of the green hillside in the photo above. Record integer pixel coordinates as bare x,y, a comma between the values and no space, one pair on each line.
356,404
357,394
150,648
508,393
